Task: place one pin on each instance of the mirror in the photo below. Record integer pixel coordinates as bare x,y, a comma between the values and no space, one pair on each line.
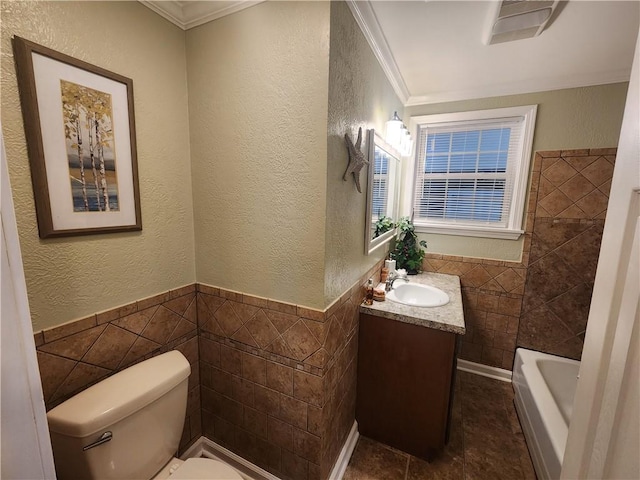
382,192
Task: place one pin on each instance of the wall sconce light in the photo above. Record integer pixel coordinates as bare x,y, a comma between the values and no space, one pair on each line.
397,135
406,144
393,130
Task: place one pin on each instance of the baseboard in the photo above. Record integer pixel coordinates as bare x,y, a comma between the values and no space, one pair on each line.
345,454
484,370
203,447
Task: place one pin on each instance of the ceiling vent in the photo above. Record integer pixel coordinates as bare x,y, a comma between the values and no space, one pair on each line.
518,19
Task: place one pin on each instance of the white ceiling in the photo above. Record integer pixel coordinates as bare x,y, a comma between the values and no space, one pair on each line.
191,13
434,51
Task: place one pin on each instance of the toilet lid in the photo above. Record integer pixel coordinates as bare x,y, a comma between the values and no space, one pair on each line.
204,469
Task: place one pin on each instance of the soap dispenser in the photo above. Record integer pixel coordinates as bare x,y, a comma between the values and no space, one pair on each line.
390,264
368,298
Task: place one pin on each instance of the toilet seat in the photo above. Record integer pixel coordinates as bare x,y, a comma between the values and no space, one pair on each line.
204,469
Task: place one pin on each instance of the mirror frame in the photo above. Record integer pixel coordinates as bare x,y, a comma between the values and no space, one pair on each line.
375,140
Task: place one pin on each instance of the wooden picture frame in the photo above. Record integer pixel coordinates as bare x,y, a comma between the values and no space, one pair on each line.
81,138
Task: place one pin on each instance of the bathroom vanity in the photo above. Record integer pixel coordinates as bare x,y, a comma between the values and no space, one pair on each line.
406,369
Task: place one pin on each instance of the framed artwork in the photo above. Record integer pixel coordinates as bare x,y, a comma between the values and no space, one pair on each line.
81,138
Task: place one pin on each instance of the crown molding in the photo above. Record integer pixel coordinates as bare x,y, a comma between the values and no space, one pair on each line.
368,23
188,15
524,87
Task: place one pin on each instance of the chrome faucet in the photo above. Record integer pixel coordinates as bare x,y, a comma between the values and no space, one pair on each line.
392,278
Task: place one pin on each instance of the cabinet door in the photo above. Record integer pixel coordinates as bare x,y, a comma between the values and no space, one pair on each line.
404,384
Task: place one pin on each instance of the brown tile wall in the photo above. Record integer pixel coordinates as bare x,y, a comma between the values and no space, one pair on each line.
502,306
573,194
278,380
272,381
76,355
262,371
340,377
492,298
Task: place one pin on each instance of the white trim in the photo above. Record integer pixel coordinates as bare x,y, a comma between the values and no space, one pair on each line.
203,447
195,18
195,450
471,232
171,11
587,452
187,15
627,320
522,87
523,167
488,114
375,140
366,19
26,425
345,454
484,370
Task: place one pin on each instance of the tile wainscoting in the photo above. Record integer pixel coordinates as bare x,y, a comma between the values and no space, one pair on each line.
543,301
279,380
79,354
271,381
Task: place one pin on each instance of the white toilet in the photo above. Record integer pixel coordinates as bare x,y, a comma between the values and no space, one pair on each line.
128,427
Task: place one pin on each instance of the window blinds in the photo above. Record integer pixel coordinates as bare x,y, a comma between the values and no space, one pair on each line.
466,172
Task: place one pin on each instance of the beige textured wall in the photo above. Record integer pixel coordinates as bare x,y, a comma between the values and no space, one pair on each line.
272,214
258,83
69,278
359,96
575,118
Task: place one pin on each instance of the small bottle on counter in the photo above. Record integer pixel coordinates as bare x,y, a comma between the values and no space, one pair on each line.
368,298
384,274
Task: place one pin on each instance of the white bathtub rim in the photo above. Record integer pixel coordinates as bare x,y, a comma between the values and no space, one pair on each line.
544,425
562,379
553,420
535,449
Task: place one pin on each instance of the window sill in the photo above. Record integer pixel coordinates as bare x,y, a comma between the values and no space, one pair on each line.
466,231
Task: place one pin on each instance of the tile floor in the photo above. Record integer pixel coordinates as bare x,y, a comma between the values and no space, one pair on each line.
486,442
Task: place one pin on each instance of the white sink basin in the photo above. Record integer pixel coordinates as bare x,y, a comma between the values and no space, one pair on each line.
418,295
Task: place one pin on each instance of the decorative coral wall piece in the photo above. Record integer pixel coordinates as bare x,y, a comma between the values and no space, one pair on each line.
357,159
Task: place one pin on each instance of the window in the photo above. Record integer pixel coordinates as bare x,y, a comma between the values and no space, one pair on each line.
472,170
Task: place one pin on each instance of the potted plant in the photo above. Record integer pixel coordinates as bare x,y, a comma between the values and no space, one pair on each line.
384,224
407,251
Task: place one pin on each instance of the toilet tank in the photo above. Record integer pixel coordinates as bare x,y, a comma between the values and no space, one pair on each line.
143,407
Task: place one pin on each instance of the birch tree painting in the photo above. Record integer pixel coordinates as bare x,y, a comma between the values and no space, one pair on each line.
88,127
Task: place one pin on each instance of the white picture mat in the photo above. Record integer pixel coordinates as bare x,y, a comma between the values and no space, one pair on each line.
48,73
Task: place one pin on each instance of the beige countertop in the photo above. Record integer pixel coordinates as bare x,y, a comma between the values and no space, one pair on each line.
449,317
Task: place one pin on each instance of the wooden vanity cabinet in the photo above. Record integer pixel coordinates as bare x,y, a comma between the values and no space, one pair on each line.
405,380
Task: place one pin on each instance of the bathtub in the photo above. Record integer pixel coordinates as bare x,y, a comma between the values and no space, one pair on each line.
544,388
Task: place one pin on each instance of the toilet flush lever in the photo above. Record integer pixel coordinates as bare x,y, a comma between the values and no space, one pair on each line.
104,438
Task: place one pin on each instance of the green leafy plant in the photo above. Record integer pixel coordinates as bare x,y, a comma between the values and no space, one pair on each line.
408,251
384,224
